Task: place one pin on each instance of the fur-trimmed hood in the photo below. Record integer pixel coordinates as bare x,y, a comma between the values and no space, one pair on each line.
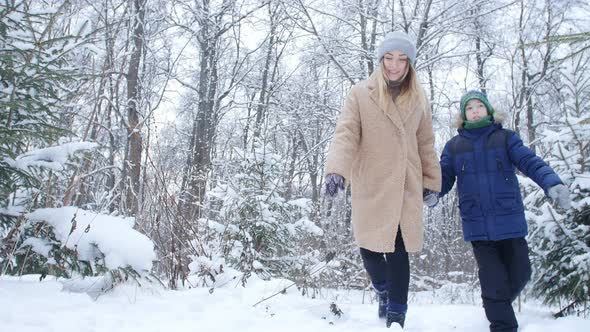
499,118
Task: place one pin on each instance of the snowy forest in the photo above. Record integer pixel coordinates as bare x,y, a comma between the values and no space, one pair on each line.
171,141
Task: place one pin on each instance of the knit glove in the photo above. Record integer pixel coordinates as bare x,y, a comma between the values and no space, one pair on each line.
560,194
333,183
430,198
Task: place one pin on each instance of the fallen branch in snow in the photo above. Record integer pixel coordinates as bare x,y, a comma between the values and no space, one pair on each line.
212,289
329,257
567,310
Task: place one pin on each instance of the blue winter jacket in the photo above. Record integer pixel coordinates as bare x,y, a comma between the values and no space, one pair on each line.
483,161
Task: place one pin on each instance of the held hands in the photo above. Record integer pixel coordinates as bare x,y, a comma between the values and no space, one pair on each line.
430,198
333,183
560,194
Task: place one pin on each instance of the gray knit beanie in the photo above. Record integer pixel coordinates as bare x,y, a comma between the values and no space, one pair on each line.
397,41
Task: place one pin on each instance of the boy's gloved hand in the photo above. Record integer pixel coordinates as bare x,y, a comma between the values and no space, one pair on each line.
560,194
333,183
430,198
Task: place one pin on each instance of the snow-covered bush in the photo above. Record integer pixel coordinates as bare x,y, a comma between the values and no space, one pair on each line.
66,241
250,224
70,241
36,82
560,240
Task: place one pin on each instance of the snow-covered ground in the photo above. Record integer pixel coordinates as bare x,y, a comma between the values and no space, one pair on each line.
27,305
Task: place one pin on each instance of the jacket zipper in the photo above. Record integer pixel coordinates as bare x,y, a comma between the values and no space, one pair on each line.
490,198
501,170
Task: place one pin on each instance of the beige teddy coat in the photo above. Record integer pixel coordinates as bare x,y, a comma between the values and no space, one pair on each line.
388,156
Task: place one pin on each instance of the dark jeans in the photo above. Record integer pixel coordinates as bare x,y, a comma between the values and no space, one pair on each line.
504,270
391,272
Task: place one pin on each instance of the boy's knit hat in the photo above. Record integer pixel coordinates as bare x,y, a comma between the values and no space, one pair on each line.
475,94
397,41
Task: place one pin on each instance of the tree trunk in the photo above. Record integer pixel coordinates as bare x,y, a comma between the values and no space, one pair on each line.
199,161
292,165
424,25
262,106
134,125
368,39
530,123
480,64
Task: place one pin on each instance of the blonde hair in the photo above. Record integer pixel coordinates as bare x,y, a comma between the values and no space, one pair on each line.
411,92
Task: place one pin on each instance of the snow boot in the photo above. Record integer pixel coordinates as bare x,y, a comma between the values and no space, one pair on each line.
395,317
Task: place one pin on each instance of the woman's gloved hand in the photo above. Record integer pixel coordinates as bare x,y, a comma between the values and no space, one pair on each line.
430,198
333,183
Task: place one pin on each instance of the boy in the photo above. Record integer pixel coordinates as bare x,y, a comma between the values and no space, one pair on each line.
483,158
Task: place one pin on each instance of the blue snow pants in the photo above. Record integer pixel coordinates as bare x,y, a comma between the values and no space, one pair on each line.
390,272
504,270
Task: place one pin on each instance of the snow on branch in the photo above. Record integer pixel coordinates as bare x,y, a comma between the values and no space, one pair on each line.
54,157
114,237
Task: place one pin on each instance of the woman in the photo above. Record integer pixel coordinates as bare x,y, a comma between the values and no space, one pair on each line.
383,144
